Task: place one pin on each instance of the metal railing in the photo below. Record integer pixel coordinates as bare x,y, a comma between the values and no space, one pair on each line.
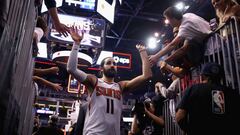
171,127
223,47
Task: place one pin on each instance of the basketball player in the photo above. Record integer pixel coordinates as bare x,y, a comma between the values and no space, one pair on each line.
105,105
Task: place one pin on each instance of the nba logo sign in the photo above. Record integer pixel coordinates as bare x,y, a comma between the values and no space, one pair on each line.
218,102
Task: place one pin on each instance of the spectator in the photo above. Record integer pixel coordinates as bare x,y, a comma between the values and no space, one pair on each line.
51,129
225,9
178,61
46,71
61,28
147,117
41,72
39,31
177,71
210,107
170,93
42,81
192,30
36,124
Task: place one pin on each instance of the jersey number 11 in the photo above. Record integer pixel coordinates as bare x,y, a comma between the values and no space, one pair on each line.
110,106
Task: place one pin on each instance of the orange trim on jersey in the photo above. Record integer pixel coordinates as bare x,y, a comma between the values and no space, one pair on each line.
121,89
89,105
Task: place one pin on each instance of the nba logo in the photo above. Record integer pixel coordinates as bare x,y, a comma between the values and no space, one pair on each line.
218,102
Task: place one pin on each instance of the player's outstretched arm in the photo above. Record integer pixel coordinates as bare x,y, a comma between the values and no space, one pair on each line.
87,79
146,71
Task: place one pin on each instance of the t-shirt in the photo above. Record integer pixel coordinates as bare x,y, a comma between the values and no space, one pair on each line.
193,27
212,109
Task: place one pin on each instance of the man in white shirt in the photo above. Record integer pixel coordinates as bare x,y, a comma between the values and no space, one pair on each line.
192,30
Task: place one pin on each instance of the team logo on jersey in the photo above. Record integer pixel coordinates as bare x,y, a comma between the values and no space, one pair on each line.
218,102
108,92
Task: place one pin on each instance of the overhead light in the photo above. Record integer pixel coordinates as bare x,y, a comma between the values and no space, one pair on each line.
152,42
186,7
156,34
180,5
166,21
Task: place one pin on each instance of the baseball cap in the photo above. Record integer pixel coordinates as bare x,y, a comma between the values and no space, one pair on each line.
212,70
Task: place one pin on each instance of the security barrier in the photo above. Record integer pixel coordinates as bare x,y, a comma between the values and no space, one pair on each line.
171,127
223,47
17,22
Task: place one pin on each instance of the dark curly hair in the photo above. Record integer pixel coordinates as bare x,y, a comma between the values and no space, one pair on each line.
173,12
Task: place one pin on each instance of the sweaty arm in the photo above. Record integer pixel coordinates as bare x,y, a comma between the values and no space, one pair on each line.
42,81
51,6
158,119
52,10
181,115
179,53
75,72
41,72
146,72
53,13
169,47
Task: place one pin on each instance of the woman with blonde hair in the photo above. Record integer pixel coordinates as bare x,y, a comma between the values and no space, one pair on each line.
225,9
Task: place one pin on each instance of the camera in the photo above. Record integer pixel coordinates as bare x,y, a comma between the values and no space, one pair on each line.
139,107
139,111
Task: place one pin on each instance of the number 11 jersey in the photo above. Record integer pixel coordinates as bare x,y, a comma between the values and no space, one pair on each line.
104,111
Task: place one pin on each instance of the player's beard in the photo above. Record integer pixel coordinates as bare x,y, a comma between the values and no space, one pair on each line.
111,73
